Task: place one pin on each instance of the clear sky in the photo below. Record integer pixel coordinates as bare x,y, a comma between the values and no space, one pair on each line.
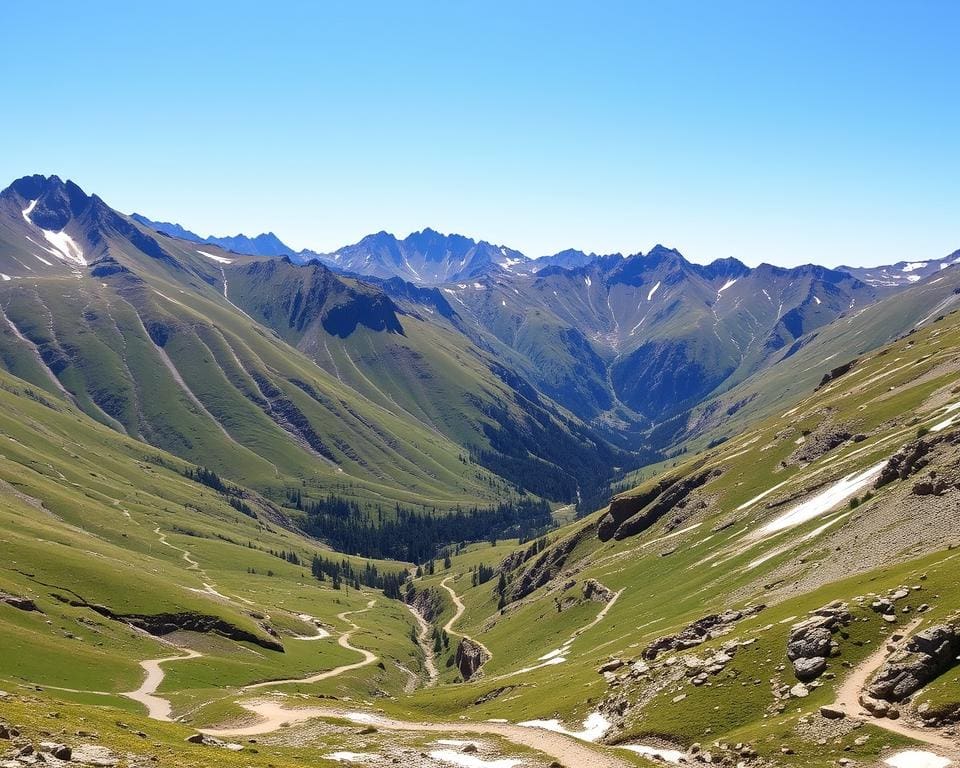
774,131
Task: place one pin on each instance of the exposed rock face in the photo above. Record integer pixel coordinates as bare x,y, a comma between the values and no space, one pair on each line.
547,566
594,590
164,623
699,631
632,515
20,603
811,641
428,603
819,442
469,658
926,655
935,453
909,460
836,373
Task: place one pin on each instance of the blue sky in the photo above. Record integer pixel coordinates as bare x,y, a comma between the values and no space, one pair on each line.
769,131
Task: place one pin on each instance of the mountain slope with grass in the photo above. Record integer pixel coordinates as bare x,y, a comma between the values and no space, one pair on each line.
143,334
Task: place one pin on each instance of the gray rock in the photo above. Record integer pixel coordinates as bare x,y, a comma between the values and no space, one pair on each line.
809,669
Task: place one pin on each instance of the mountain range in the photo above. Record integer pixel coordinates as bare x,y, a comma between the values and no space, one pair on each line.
427,501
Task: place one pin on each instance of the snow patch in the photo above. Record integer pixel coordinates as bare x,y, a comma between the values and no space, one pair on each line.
352,757
942,425
914,265
218,259
667,755
916,758
64,246
471,761
592,729
551,661
816,299
824,501
760,496
588,281
653,291
726,285
5,277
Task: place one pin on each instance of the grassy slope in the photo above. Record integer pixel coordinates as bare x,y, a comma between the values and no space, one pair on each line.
889,396
80,507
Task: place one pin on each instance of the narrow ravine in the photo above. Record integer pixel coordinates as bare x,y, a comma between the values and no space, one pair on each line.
426,645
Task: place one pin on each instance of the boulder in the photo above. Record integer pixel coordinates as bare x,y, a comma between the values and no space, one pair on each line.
809,669
925,656
809,643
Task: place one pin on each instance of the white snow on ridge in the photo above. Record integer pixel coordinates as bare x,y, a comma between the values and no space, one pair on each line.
916,758
726,285
218,259
824,501
653,291
914,265
64,246
593,727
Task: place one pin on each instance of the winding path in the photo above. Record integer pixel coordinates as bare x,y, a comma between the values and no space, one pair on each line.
192,565
460,608
158,708
344,642
848,699
273,715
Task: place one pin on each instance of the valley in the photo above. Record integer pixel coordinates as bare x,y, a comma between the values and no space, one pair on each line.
260,509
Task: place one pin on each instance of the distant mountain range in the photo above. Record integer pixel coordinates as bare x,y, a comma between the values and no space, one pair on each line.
545,375
432,258
266,244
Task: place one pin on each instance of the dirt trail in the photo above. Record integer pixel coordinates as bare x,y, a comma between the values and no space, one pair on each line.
448,627
192,565
424,640
344,642
158,708
848,699
273,715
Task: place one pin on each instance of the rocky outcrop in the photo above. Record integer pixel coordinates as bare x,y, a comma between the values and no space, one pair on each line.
836,373
916,456
20,603
546,567
811,641
427,602
594,590
469,658
820,442
699,631
909,460
632,515
926,655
